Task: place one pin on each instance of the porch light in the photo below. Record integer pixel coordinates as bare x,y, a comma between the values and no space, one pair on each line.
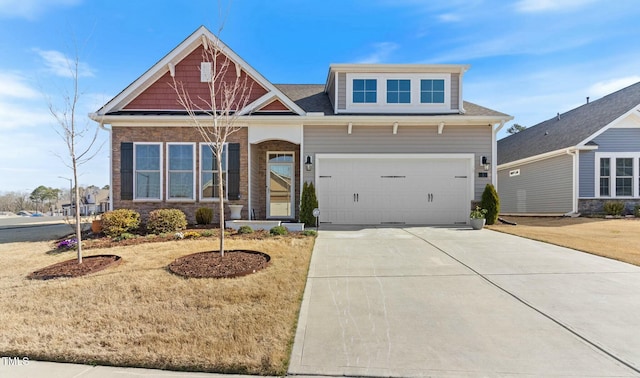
308,164
484,161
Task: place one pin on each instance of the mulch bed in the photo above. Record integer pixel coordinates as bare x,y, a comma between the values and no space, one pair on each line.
71,268
235,263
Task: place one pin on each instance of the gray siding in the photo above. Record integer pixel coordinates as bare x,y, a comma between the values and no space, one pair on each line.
619,140
454,139
542,187
587,179
455,91
342,90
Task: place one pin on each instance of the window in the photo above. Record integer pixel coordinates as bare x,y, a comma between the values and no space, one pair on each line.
180,175
605,177
209,172
147,171
365,91
624,177
399,91
432,91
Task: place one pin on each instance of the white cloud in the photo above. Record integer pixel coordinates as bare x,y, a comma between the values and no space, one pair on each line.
380,54
61,65
534,6
450,17
14,86
606,87
30,9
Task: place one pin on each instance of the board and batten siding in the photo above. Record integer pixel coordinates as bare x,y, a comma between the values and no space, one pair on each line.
455,91
542,187
408,140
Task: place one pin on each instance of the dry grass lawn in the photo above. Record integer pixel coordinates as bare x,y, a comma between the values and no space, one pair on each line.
139,314
618,239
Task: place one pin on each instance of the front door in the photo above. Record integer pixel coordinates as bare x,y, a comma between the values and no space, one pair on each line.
280,184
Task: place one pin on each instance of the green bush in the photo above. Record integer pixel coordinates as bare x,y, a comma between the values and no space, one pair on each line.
491,202
120,221
613,208
636,211
309,233
204,215
308,202
166,221
278,230
245,230
125,236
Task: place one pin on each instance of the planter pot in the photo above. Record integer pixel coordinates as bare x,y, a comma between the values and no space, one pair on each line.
96,226
477,224
235,211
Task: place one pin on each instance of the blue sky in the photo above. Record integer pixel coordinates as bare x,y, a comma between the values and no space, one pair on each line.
529,58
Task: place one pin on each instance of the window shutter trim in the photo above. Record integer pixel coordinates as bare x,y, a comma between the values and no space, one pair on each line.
126,171
233,171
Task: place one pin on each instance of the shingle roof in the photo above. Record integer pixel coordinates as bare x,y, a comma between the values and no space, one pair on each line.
570,128
312,98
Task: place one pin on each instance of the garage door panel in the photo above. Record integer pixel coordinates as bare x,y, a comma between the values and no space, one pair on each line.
394,190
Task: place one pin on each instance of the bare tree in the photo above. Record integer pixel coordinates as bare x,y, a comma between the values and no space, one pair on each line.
215,116
79,137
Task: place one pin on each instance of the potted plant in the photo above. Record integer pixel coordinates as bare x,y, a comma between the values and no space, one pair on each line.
477,219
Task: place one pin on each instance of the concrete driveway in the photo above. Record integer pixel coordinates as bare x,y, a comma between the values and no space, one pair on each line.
451,302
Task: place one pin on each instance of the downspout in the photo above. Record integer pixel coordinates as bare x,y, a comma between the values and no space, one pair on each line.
94,117
574,182
494,153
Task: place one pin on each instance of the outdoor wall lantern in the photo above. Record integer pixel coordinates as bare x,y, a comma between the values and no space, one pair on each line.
308,164
484,161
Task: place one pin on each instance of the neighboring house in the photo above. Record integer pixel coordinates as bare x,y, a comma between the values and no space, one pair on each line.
576,161
382,143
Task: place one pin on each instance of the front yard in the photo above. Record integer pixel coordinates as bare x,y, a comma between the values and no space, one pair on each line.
618,239
139,314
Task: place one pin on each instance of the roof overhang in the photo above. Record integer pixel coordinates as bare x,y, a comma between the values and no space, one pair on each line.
546,155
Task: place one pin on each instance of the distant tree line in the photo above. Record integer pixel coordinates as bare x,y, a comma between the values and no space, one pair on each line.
41,199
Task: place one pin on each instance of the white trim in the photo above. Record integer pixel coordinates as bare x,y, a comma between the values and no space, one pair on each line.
160,168
261,133
168,170
612,177
382,106
293,183
226,177
546,155
609,126
427,156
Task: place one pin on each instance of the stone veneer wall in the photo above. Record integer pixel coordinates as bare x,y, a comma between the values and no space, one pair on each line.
174,135
596,206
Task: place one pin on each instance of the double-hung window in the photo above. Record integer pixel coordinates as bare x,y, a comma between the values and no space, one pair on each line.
605,177
398,91
432,91
624,177
181,180
209,172
365,91
148,176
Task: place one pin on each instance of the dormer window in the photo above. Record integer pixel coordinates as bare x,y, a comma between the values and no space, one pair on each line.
432,91
365,91
398,91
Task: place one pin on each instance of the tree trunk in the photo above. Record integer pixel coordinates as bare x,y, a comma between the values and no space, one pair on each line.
77,209
221,194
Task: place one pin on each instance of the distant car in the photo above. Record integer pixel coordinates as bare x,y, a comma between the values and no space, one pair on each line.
24,213
37,215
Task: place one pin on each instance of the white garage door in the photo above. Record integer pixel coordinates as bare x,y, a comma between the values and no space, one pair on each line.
410,189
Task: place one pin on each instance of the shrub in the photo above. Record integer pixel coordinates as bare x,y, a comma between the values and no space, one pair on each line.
125,236
278,230
636,211
309,233
491,202
613,208
67,244
308,202
207,233
117,222
166,221
204,215
245,230
191,234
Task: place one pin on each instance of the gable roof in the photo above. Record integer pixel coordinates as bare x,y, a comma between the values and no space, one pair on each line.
569,129
175,56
